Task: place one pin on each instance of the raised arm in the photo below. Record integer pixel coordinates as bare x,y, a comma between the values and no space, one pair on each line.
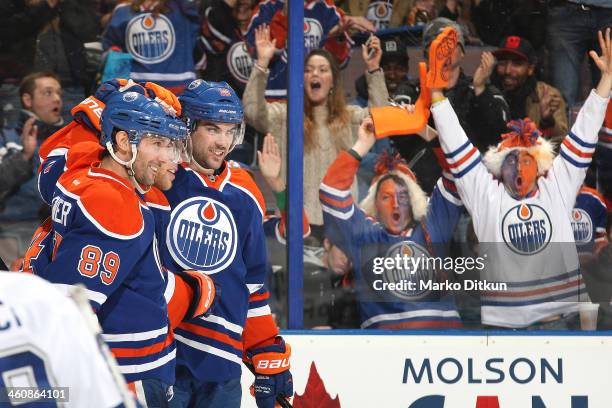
345,223
256,110
576,152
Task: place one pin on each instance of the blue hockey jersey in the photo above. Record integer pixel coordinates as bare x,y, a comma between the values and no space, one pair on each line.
161,46
104,237
365,241
216,227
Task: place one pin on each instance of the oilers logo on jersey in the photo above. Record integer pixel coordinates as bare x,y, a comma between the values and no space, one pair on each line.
582,225
313,35
379,13
410,268
150,39
240,62
202,235
526,229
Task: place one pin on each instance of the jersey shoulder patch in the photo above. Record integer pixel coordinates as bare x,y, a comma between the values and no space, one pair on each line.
106,200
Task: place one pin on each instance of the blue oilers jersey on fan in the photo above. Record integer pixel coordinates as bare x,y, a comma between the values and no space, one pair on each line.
102,235
161,46
216,227
319,19
589,220
364,240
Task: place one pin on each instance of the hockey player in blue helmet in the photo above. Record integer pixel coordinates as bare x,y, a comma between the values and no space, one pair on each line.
214,113
104,235
223,209
133,123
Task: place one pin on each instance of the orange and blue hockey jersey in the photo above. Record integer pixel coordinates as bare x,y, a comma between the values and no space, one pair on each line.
104,236
364,240
84,128
216,228
589,220
41,252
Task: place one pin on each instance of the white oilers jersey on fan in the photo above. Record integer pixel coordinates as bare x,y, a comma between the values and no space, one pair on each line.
45,342
528,243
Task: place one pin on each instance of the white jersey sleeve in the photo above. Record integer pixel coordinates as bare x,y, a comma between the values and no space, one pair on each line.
475,185
45,342
576,151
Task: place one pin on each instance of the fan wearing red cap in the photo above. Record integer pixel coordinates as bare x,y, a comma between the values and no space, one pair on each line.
519,196
515,76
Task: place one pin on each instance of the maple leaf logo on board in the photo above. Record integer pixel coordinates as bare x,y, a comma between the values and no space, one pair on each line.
315,395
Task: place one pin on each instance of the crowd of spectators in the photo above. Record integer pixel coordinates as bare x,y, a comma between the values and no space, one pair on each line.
533,63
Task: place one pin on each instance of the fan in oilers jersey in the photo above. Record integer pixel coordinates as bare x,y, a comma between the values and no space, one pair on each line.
395,220
103,235
589,220
216,228
519,199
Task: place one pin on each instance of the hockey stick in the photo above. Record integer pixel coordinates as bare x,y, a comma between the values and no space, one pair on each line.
77,293
284,403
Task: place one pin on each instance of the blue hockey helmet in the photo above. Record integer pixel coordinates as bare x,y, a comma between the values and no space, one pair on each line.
214,102
140,116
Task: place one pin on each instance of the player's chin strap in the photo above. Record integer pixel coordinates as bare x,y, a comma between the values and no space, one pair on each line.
128,165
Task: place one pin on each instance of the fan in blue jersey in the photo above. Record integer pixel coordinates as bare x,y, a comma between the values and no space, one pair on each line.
104,237
160,36
216,228
395,221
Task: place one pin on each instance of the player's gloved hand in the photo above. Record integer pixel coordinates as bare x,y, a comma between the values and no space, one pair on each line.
272,375
164,96
117,85
204,293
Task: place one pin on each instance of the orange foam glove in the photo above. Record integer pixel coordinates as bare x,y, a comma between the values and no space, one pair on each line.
396,120
441,52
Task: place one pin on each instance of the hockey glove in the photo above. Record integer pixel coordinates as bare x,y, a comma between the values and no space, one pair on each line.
272,375
111,86
204,293
164,96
